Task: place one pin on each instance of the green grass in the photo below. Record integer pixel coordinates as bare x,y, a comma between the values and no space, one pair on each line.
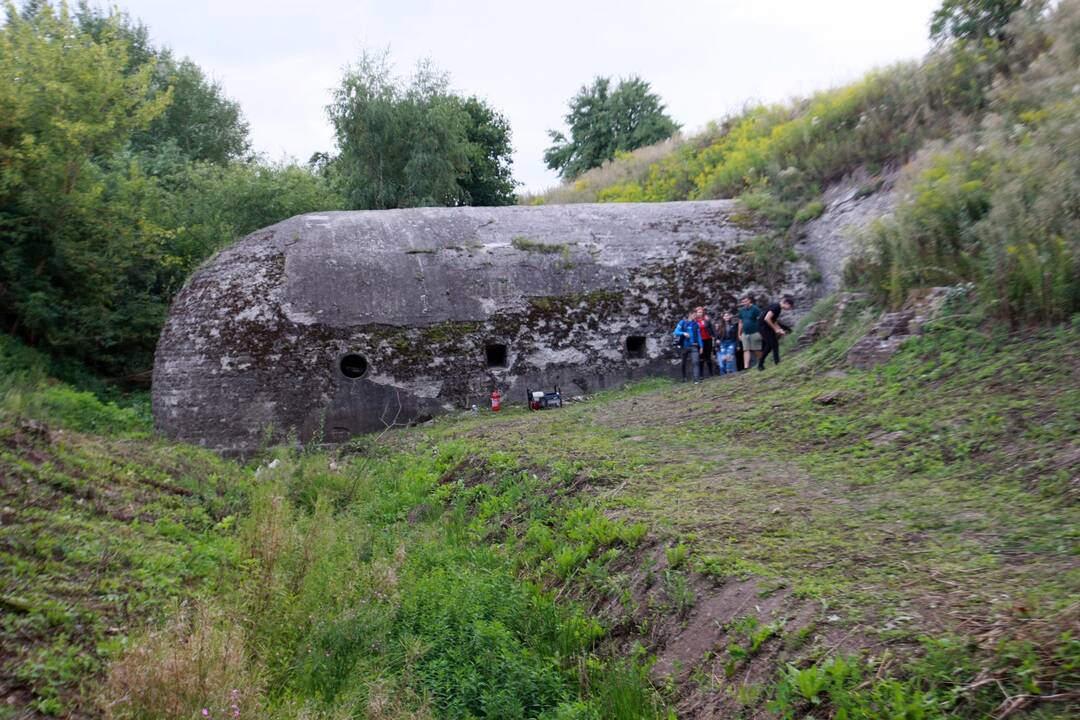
923,524
934,497
99,536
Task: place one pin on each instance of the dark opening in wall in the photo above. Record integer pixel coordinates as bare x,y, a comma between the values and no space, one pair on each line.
496,355
635,346
353,366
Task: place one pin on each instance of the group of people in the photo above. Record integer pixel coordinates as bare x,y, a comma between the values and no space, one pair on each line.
752,332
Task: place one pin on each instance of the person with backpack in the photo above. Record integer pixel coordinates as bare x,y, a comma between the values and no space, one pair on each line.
728,338
688,341
708,335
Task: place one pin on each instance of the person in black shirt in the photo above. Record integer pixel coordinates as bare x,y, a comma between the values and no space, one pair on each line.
772,330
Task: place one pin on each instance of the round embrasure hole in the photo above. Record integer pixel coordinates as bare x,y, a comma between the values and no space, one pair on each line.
353,366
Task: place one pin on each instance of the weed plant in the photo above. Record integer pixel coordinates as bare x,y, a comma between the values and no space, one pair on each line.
350,579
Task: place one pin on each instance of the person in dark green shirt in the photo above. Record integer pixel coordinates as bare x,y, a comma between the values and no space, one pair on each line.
750,330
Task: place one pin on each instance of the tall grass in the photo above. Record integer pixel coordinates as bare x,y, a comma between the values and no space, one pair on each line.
382,589
1000,206
195,666
627,167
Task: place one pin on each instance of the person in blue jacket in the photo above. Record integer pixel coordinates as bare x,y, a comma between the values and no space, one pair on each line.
688,340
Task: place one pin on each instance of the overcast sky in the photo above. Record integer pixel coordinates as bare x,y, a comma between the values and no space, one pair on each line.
280,59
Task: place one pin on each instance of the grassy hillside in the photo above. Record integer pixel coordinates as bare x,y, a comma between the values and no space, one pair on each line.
812,541
101,530
899,542
986,135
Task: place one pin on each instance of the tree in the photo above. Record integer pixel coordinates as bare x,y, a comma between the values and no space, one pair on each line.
76,235
101,219
416,144
199,121
604,122
489,179
973,20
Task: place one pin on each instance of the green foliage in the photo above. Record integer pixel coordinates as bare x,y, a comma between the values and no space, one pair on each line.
199,121
943,682
810,211
83,411
747,635
678,590
488,180
116,180
973,20
676,555
73,257
488,643
605,122
996,208
416,144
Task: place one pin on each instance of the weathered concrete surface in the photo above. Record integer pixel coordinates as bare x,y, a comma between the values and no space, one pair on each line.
850,206
254,343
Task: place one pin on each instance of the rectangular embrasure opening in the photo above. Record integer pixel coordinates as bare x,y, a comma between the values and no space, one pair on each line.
496,355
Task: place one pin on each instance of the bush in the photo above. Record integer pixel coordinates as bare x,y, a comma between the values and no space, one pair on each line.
810,211
26,389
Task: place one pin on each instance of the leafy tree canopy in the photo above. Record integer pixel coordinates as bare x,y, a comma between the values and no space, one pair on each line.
972,20
604,122
200,121
108,202
416,143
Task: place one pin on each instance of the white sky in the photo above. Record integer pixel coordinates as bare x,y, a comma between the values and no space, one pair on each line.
280,59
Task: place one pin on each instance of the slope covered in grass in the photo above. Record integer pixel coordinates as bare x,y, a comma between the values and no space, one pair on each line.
97,535
900,540
984,131
933,500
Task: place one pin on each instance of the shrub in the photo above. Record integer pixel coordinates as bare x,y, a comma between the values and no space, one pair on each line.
810,211
998,210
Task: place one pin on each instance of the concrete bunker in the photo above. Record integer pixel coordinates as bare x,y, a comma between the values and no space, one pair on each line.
329,325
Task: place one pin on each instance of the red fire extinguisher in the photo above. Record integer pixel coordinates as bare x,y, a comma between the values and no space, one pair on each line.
496,400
